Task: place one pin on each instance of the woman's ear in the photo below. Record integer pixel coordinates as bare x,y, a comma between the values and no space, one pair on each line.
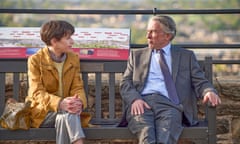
53,41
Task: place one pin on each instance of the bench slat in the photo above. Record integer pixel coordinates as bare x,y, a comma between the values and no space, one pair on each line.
111,95
16,86
98,95
103,132
2,91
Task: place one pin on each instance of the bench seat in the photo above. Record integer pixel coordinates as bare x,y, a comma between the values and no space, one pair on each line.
104,128
97,132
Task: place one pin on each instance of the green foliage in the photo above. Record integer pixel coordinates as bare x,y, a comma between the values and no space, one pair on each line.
138,36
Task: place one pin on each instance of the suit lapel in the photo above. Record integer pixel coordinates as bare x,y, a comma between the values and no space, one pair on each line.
144,59
175,61
147,60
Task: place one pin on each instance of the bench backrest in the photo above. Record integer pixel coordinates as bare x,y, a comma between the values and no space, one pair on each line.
102,75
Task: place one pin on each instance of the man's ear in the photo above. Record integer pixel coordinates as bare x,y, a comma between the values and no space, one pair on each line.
168,36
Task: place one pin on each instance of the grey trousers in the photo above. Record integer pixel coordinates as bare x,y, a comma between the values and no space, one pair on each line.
68,126
162,124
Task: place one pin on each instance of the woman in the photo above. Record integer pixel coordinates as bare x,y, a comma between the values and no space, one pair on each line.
56,89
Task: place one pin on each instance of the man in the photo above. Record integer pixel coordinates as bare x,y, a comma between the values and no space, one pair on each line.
151,112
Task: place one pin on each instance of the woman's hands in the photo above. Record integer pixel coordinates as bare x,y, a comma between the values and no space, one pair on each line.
71,104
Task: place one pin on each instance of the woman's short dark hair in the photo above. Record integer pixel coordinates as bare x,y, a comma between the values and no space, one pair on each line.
55,29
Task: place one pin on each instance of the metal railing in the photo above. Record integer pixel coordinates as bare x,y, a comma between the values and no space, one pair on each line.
120,12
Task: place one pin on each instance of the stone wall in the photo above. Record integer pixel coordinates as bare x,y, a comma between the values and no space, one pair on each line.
228,113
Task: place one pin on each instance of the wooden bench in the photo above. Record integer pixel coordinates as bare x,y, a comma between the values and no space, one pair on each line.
105,128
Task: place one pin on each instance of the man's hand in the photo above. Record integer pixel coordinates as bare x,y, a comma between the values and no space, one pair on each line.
213,98
138,107
71,104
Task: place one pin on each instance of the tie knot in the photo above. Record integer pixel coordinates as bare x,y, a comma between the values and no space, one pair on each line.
160,51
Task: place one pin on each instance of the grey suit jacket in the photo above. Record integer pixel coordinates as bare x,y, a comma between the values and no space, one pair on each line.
186,72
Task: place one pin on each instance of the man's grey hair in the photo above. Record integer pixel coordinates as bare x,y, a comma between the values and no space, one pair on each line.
167,23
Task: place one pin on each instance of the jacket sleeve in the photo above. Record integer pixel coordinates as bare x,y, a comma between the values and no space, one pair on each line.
77,86
199,81
128,88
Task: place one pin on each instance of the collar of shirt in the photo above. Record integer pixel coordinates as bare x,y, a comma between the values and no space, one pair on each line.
165,49
56,59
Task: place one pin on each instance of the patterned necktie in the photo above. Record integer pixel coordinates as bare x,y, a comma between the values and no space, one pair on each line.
172,93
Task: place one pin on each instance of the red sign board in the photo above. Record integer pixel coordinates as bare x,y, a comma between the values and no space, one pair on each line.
89,43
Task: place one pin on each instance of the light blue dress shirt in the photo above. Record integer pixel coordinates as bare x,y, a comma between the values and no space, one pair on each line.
155,80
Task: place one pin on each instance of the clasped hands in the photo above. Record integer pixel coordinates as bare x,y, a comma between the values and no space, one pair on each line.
71,104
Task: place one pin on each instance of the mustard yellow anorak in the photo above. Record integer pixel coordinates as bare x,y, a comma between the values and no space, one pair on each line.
44,83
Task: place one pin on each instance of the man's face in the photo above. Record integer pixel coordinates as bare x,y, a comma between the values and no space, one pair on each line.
156,37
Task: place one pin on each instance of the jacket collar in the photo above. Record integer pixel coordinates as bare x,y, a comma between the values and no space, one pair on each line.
56,59
47,60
